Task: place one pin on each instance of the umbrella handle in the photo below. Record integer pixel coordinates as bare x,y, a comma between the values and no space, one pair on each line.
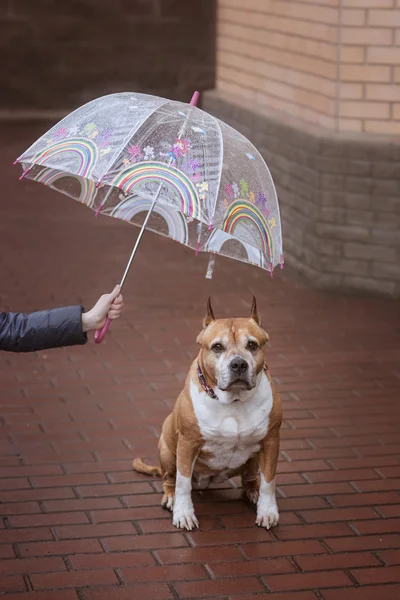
101,333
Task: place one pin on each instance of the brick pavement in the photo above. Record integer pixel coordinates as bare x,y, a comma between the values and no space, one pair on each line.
79,523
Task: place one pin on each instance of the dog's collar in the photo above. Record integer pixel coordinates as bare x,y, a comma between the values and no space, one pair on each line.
207,388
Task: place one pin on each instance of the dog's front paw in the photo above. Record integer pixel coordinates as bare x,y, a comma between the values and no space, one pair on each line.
183,515
268,517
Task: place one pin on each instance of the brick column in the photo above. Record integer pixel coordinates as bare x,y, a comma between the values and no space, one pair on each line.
315,85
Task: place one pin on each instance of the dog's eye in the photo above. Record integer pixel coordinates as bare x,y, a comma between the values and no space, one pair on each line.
252,346
218,348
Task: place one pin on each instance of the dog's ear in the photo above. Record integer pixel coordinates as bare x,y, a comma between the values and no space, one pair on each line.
254,313
209,318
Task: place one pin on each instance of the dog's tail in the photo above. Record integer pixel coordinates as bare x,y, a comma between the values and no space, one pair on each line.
142,467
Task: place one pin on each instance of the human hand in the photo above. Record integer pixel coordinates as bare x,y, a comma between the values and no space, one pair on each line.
108,305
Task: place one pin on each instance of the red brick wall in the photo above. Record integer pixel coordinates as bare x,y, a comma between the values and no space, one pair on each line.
282,55
58,54
333,63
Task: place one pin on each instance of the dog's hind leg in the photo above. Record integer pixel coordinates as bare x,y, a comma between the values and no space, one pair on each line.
168,471
251,479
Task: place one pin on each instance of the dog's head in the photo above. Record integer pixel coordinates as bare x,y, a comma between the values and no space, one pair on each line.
232,350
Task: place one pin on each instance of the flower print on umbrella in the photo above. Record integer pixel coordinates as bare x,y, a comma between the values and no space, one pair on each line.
272,222
105,139
194,164
251,197
191,166
91,130
60,133
261,201
72,131
203,189
181,148
135,153
148,152
244,188
236,191
229,191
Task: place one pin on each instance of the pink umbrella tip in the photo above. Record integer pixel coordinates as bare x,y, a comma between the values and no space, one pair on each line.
195,99
24,173
15,162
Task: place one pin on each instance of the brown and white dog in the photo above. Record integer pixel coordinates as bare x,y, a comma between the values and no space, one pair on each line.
225,422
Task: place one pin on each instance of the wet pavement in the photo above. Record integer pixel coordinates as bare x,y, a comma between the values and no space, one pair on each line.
78,523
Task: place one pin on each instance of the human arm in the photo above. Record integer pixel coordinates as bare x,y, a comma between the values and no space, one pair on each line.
67,326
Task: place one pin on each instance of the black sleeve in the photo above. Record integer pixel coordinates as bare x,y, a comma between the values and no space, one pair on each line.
42,330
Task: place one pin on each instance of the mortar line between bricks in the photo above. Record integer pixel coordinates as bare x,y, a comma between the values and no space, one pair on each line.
119,576
292,560
173,591
263,584
209,571
378,472
137,527
80,593
157,560
325,545
352,578
67,563
378,511
104,545
377,555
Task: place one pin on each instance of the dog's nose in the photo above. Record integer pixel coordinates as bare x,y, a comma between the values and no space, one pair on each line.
239,365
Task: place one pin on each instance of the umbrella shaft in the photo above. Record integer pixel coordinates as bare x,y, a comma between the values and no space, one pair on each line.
180,135
139,237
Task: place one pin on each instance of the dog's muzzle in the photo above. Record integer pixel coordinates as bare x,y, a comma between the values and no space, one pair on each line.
238,366
238,375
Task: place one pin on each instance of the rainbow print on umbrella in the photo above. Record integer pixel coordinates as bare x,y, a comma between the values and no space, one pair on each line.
141,172
218,238
85,150
50,176
242,212
176,222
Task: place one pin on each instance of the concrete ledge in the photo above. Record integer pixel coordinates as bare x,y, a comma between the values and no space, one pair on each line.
339,197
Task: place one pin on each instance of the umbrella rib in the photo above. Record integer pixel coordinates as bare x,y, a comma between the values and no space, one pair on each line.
221,137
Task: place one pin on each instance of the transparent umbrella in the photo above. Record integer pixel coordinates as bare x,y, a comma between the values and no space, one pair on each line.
194,178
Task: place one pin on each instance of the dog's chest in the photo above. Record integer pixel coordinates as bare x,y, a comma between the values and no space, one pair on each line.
232,432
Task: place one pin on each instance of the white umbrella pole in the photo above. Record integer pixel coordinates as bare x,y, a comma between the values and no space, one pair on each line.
139,237
100,333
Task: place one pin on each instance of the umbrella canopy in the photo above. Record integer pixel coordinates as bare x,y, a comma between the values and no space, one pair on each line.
206,185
